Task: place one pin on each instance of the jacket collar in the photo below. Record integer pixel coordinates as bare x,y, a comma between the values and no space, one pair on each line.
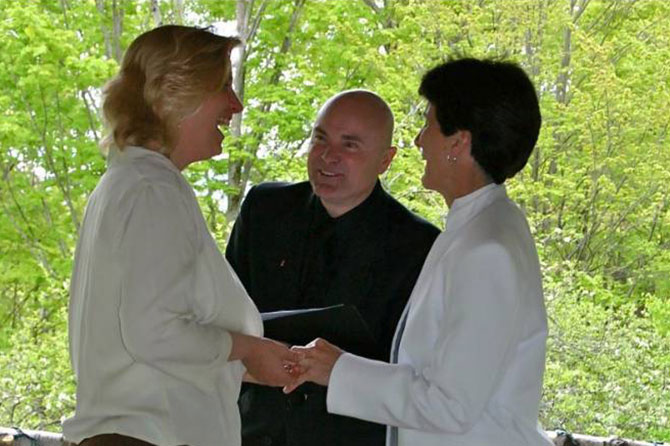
465,208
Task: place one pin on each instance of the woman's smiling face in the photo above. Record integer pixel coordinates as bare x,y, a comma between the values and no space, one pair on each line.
199,136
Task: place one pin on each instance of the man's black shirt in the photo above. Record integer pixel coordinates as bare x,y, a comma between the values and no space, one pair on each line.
289,254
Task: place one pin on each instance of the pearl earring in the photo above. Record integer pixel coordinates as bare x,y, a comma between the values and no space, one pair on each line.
451,158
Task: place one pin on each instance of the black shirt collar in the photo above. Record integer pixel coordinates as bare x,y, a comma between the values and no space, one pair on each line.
366,209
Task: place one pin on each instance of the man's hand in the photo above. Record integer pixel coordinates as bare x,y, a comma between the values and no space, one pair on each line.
318,359
268,362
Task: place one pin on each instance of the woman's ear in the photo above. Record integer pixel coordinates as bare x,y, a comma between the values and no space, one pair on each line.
458,145
462,143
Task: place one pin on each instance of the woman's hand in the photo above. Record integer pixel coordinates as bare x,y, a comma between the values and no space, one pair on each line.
318,359
268,362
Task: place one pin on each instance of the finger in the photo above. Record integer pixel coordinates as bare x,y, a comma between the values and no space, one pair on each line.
314,352
307,353
326,346
295,384
307,364
293,369
317,354
300,348
293,356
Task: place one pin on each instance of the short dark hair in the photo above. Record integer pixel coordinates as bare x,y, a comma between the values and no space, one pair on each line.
496,102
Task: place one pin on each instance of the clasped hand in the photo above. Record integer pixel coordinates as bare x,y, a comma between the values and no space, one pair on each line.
316,363
273,364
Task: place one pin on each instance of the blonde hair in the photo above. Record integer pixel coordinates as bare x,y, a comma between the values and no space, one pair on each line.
164,77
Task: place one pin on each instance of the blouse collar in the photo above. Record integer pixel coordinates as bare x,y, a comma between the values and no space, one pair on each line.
133,153
464,208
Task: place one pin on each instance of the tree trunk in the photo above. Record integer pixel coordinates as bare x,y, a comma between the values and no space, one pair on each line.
178,8
239,170
104,30
156,13
117,28
112,38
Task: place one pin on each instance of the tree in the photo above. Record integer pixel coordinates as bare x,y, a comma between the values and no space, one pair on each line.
595,190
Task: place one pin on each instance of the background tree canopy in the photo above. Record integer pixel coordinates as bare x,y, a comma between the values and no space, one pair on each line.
595,190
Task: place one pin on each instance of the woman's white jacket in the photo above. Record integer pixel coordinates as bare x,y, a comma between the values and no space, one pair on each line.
471,356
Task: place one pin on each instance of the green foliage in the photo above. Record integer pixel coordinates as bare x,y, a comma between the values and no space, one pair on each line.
607,367
595,190
37,386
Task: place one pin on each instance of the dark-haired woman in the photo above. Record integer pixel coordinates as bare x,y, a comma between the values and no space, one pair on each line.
469,351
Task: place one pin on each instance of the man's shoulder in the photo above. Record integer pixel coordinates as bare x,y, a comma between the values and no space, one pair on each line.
273,196
405,220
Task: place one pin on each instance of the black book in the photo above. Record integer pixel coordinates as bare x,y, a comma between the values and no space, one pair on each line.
341,325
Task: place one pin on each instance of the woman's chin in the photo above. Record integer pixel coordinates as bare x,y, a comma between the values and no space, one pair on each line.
425,181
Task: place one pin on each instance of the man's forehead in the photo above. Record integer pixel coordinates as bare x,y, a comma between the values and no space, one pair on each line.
360,116
342,131
348,117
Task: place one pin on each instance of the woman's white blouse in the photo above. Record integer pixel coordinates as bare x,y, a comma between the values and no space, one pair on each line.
471,356
152,302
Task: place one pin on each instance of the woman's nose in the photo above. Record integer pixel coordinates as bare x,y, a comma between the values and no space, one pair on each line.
235,103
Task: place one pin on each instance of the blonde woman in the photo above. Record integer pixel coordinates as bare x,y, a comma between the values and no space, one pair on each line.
161,330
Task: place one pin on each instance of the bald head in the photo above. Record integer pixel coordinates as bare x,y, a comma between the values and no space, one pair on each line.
373,112
350,147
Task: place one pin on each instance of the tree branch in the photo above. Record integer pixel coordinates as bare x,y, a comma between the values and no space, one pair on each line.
373,5
256,22
156,13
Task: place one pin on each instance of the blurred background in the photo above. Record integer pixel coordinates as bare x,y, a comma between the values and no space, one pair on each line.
596,189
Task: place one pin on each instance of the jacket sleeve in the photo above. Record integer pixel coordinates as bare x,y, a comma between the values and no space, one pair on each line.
480,296
162,322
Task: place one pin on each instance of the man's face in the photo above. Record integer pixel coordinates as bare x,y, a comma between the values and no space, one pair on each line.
348,150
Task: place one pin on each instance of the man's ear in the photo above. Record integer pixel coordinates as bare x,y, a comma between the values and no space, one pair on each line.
386,159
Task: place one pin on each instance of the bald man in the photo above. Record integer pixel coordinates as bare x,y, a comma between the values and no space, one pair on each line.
339,238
